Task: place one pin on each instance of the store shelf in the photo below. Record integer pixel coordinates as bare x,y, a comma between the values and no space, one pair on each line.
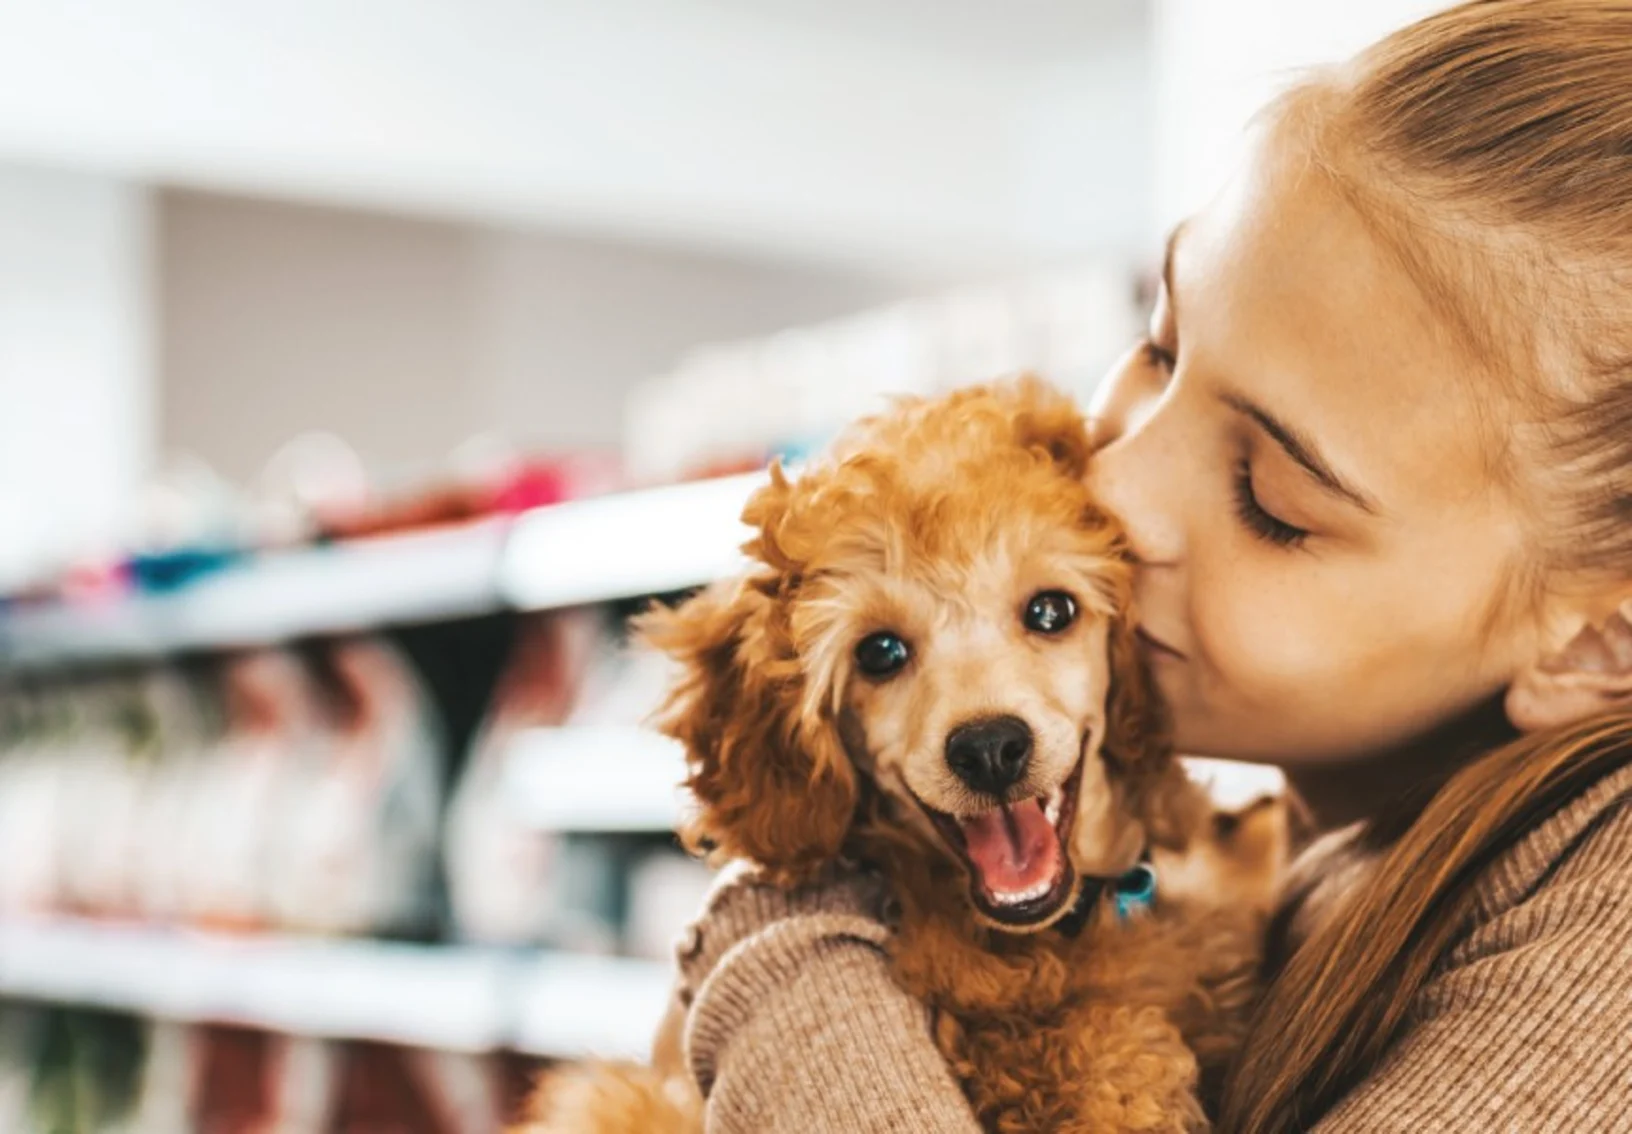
610,547
631,544
575,1006
391,580
595,778
448,998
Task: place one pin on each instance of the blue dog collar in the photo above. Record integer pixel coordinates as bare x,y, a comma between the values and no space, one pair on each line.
1135,892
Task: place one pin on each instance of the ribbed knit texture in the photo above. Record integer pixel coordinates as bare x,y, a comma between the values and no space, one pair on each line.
796,1025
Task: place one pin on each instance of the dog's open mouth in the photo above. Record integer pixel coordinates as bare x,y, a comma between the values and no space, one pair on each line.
1020,873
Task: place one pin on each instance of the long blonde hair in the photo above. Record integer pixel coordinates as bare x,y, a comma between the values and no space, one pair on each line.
1491,146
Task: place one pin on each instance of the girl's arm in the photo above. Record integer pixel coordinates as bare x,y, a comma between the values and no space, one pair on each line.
1528,1027
794,1022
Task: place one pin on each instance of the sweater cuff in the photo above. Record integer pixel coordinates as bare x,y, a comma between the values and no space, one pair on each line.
741,906
759,968
802,1028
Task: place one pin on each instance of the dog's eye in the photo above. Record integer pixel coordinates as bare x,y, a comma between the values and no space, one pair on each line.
881,654
1049,612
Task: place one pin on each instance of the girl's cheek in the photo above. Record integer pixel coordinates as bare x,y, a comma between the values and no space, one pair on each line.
1261,644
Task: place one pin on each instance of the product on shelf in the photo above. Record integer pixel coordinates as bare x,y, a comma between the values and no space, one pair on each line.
107,775
356,850
561,829
273,789
659,889
740,403
31,803
169,1079
623,686
503,872
229,834
502,487
71,1071
666,889
407,1091
246,1082
186,712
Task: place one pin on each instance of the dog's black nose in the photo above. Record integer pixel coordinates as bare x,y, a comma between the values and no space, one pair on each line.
990,755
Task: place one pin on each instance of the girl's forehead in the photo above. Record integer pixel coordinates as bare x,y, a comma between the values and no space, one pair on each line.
1285,292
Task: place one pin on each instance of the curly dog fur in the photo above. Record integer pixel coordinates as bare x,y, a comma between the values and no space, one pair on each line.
939,520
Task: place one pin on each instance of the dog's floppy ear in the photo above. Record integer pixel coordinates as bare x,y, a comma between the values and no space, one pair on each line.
1048,419
1138,748
771,785
1134,723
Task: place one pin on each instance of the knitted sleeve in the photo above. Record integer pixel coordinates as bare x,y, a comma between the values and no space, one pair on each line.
794,1022
1528,1025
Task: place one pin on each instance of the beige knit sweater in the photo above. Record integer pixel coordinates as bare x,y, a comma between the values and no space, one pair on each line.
794,1023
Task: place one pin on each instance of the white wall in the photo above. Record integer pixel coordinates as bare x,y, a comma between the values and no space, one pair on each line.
1218,62
566,327
407,337
77,428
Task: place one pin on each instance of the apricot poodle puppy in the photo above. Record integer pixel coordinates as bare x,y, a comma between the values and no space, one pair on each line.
929,667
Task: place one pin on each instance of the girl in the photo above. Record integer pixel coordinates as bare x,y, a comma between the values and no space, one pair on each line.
1375,461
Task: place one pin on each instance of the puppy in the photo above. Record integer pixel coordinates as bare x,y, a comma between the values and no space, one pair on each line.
930,668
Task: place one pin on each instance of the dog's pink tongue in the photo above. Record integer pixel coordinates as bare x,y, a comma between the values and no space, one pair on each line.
1013,847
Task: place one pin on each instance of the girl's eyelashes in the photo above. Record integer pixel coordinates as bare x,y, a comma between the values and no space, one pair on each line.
1261,523
1156,355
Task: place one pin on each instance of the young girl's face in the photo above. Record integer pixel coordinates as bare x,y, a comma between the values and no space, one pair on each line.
1303,457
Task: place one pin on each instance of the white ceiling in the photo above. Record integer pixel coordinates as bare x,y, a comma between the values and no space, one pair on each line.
980,32
915,136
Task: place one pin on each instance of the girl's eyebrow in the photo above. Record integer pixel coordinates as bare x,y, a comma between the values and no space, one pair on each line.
1297,444
1301,449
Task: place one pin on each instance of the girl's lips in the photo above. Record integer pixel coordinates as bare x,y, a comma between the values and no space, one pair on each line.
1155,645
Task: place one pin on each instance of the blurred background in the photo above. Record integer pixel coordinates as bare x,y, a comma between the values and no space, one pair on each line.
365,365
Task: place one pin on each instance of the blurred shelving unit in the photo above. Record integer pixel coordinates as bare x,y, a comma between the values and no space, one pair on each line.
600,779
342,989
592,778
596,550
626,545
575,1005
275,597
449,998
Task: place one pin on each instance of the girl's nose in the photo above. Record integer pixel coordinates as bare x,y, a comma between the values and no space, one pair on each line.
1135,474
1127,392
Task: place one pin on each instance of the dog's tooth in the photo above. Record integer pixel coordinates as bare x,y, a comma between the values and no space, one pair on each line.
1019,897
1051,810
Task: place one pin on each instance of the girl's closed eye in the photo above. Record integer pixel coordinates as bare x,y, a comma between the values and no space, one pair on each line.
1258,519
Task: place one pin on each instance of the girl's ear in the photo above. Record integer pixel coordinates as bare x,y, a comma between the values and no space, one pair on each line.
770,787
1589,674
